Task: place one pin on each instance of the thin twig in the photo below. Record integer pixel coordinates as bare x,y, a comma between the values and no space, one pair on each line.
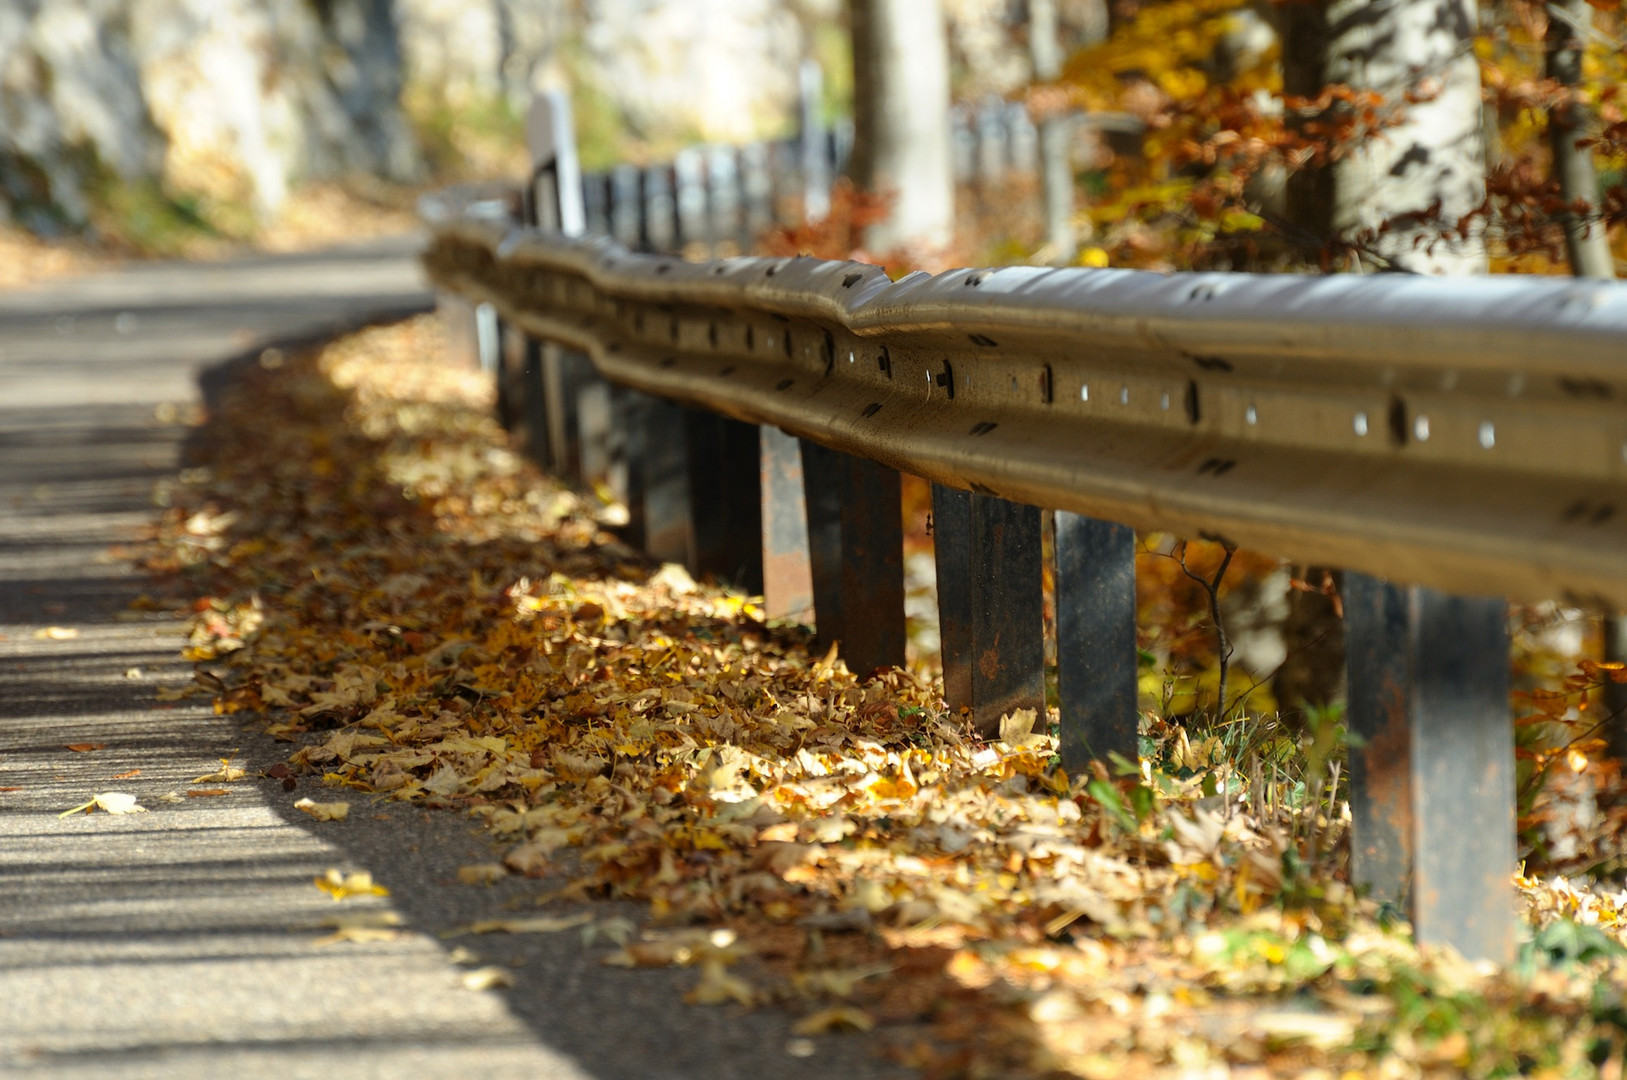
1211,588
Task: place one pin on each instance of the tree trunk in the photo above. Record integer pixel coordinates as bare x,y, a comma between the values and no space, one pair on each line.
1396,193
1585,242
901,120
1055,137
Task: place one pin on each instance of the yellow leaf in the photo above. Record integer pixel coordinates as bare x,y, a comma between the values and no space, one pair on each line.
837,1018
324,811
718,987
225,774
57,633
341,885
488,978
482,873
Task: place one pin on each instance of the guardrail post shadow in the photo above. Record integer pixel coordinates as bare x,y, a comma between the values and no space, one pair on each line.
991,613
856,557
1432,761
787,570
1096,653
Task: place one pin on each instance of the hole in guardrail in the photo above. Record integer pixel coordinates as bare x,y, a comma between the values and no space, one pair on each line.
1583,512
638,323
871,409
613,347
662,268
1047,385
1584,387
946,379
982,339
673,329
1398,422
1212,363
751,338
784,384
668,361
769,271
851,280
830,353
789,349
718,269
711,333
974,280
729,370
1216,466
1194,411
983,427
884,361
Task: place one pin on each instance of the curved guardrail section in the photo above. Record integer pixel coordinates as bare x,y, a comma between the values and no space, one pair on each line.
1467,434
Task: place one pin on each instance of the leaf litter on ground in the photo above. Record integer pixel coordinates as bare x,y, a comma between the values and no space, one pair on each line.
381,579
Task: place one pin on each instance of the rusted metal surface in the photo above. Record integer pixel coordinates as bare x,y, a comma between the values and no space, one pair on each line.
787,574
1463,433
990,605
1379,653
872,518
1463,777
1095,639
1432,774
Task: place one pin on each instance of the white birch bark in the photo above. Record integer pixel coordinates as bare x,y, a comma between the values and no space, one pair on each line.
901,120
1418,55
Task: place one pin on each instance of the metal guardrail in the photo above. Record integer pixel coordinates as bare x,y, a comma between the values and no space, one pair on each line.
1465,437
1466,434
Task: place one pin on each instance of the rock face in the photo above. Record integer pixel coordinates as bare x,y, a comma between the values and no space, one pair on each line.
221,99
229,102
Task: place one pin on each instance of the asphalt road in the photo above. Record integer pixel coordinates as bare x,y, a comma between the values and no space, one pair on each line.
179,942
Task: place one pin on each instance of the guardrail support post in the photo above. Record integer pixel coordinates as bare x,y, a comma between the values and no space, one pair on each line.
1432,762
991,615
856,553
658,478
1096,639
725,498
522,405
787,573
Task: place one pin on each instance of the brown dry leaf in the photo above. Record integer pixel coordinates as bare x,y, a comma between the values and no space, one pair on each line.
836,1018
537,924
327,811
86,747
204,793
341,886
174,693
128,774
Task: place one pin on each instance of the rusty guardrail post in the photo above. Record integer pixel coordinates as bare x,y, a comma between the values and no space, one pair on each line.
1432,761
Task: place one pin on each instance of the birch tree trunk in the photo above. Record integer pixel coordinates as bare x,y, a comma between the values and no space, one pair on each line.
1397,193
1585,242
901,120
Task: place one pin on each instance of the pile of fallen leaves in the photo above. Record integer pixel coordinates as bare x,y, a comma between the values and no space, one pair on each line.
381,580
